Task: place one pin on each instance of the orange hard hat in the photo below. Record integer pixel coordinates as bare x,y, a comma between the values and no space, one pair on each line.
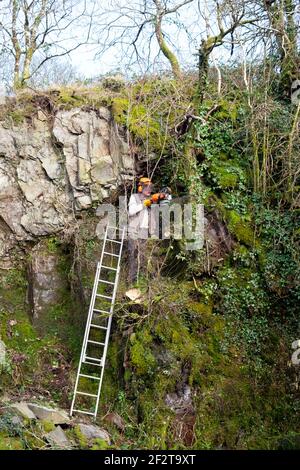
143,182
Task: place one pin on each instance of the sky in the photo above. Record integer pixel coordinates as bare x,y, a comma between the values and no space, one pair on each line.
183,32
86,63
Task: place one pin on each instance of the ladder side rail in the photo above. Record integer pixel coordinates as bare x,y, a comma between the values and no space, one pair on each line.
109,325
89,319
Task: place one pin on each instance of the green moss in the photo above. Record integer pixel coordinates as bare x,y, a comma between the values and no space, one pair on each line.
155,417
48,426
52,245
20,112
227,110
120,107
81,439
33,437
114,362
99,444
17,116
200,308
28,355
138,120
20,335
225,176
141,355
240,228
227,180
69,99
83,442
238,225
10,443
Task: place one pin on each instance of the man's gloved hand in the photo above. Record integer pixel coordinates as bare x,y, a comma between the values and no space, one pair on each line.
147,202
157,197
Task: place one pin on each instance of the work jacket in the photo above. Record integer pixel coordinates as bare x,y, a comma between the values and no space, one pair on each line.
140,224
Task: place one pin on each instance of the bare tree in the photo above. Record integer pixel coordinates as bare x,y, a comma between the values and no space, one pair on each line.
58,71
132,27
283,16
222,18
160,13
40,29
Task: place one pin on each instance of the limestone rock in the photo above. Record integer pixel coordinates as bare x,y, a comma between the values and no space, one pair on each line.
83,202
11,204
94,432
93,152
180,402
135,295
57,438
46,281
49,414
24,410
52,162
50,172
7,145
102,170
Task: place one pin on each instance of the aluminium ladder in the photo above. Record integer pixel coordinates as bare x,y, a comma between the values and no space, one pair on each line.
100,310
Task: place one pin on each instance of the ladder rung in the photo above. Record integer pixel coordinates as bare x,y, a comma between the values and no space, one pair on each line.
87,394
93,359
106,282
115,241
92,363
116,228
97,310
98,326
89,376
109,267
104,296
95,342
84,412
111,254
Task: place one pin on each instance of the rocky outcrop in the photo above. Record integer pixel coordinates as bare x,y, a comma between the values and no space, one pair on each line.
53,428
23,409
49,414
58,439
96,159
91,432
51,171
46,281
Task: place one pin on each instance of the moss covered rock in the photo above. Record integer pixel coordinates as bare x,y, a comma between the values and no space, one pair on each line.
139,121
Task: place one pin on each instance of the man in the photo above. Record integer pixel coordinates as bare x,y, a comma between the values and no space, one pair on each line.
138,227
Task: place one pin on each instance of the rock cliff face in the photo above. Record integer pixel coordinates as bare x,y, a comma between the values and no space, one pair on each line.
52,171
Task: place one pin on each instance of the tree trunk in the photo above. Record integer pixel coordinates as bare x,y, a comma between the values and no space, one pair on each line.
282,19
16,45
166,50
